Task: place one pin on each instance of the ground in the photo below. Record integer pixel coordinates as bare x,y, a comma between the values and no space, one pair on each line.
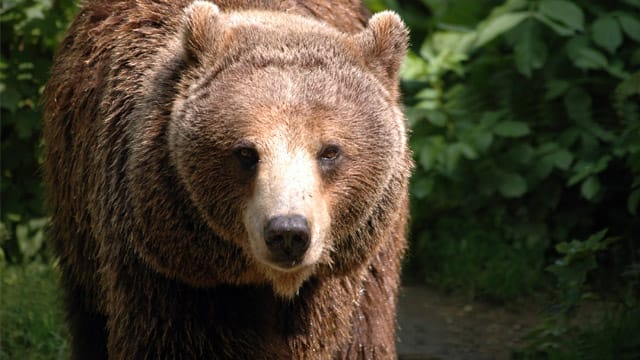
438,326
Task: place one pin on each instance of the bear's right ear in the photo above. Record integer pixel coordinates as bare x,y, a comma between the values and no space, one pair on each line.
200,30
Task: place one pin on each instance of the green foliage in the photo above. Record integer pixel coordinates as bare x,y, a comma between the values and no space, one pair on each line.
31,29
571,270
561,336
526,130
614,337
31,319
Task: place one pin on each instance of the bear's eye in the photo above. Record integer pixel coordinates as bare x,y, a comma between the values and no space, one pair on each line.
330,153
247,156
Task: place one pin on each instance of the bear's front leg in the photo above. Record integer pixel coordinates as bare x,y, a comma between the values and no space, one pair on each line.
153,317
374,320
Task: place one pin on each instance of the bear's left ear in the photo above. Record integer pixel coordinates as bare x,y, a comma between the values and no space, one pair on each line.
201,30
384,45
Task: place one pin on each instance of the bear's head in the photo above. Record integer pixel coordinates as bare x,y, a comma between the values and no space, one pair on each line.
288,137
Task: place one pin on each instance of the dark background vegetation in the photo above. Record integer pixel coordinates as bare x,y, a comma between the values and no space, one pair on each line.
526,135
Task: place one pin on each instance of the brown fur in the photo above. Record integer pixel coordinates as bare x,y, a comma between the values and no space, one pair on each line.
144,106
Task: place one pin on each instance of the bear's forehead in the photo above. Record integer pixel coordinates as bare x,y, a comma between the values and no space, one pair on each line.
312,89
258,38
283,22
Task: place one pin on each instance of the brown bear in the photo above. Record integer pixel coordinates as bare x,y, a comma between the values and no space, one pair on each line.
228,181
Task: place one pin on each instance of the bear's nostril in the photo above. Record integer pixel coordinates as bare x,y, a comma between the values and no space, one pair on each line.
275,239
287,238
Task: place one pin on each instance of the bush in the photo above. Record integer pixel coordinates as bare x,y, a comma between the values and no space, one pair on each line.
525,130
31,29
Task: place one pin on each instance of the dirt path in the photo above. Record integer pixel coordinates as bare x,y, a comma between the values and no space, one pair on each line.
435,326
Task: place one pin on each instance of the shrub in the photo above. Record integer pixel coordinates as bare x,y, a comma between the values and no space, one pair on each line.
525,125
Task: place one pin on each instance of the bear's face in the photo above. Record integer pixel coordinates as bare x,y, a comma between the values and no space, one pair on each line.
287,134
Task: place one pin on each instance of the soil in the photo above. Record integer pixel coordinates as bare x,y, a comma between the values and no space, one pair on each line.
436,326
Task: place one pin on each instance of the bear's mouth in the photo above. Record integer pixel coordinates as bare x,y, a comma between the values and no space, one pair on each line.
287,282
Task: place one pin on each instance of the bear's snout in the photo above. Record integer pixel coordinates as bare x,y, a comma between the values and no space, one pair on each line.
287,238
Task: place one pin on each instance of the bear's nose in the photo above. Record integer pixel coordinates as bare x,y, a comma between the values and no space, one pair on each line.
287,238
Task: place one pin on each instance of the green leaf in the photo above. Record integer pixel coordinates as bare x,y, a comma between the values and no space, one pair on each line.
430,151
556,88
595,243
607,33
512,185
491,117
9,99
559,29
34,12
480,140
22,233
590,59
511,129
465,149
583,56
561,159
413,67
428,105
437,118
632,202
582,169
635,3
414,116
626,89
590,187
541,168
630,25
422,187
509,6
530,50
565,12
497,26
428,94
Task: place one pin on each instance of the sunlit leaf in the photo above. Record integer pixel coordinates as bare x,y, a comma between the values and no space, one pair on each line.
497,26
413,67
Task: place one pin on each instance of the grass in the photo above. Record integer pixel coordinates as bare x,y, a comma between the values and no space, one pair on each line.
31,319
478,262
